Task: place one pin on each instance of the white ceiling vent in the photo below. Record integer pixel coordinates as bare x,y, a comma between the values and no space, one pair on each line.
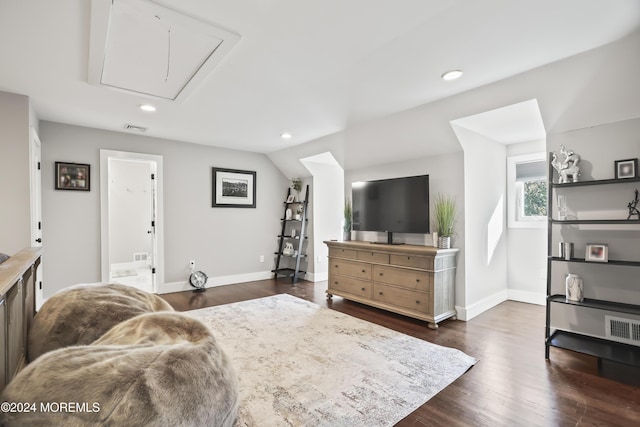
142,47
134,128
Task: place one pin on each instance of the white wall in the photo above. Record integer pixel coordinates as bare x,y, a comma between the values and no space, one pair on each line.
526,258
129,209
15,228
485,186
225,242
328,203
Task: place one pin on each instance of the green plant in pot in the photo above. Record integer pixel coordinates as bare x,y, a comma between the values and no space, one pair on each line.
296,184
348,212
445,219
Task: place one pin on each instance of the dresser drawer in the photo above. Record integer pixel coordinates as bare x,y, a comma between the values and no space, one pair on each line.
343,253
412,279
370,256
359,270
350,285
405,298
412,261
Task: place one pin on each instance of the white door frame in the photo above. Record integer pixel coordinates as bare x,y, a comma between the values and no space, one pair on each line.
158,255
35,182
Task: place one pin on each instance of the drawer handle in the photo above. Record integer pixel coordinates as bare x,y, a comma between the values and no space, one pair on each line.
380,292
417,301
335,283
363,271
336,266
417,280
364,289
408,257
381,274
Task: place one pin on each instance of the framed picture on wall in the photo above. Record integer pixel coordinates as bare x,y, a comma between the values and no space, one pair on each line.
73,176
233,188
626,168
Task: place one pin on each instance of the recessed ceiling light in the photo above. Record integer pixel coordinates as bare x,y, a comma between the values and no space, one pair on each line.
148,107
451,75
286,135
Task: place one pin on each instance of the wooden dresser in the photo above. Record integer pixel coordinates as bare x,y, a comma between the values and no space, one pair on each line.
416,281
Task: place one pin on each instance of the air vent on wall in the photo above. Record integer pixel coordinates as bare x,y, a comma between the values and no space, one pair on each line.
134,128
622,330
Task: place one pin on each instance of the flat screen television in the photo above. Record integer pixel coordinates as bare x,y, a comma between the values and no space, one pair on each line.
398,205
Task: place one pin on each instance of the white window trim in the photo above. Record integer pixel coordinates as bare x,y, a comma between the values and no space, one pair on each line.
513,196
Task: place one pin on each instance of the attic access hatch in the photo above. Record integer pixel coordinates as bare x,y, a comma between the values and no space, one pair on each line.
140,46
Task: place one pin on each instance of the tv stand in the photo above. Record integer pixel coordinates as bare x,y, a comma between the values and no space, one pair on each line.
416,281
389,240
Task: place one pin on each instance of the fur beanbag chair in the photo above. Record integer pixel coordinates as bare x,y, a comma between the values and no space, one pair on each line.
158,369
81,314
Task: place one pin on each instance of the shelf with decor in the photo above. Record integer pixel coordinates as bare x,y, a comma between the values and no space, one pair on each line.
292,238
613,345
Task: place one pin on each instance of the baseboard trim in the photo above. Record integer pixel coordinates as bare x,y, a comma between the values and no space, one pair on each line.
317,277
468,313
216,281
529,297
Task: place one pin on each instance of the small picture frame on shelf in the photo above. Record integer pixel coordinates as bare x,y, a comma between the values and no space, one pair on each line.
626,168
597,252
291,198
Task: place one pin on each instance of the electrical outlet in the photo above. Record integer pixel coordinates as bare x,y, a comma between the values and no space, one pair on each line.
192,264
261,258
319,258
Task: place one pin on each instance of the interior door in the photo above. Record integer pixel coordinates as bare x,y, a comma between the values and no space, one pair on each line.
131,228
35,174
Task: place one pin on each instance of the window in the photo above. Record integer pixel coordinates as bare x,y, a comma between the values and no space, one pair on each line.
527,185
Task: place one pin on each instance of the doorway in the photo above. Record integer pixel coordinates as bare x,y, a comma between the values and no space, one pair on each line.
131,219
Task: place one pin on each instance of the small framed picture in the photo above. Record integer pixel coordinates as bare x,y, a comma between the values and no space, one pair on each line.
626,168
73,176
291,198
233,188
597,252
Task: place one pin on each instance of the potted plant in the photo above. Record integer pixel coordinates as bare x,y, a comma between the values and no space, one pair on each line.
296,184
445,218
348,212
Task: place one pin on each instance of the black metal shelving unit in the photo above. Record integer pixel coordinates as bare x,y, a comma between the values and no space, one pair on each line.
290,265
601,348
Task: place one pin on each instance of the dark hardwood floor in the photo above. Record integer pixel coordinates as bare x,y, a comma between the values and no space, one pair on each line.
511,385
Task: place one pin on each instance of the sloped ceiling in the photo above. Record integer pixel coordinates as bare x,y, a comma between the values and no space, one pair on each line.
310,68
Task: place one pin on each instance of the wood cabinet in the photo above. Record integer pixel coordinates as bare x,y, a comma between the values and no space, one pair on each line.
416,281
17,308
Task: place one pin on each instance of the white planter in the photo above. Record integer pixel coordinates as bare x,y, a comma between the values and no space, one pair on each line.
574,288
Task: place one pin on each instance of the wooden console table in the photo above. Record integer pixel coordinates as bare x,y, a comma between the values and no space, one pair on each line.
416,281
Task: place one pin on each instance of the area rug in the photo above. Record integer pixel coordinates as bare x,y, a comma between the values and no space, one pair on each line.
303,365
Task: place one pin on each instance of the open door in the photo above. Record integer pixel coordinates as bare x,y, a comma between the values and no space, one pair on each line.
131,228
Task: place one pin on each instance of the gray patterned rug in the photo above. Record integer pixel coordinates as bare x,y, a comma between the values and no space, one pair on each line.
303,365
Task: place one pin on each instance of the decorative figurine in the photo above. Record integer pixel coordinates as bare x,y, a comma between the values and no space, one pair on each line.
633,207
568,170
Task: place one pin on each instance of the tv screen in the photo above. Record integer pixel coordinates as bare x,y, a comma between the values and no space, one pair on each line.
399,205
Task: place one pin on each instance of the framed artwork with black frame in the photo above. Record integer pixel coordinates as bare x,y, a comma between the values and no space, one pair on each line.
73,176
233,188
626,168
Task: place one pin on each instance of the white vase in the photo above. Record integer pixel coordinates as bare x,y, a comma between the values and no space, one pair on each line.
444,242
574,288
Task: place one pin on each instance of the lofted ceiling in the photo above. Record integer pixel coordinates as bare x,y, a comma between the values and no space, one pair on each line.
309,68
